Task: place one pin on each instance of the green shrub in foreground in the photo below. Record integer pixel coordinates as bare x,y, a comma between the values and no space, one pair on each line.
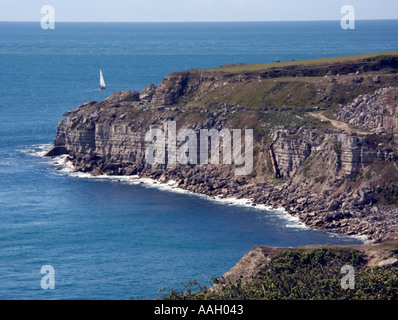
303,275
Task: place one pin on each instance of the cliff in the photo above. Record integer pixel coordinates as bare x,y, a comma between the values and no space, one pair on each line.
324,137
364,272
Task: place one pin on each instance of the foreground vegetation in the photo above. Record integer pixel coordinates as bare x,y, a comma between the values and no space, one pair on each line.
302,275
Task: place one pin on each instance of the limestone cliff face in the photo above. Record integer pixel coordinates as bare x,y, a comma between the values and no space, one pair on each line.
179,85
376,111
328,177
290,151
354,153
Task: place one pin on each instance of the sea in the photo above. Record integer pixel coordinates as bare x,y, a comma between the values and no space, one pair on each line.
108,238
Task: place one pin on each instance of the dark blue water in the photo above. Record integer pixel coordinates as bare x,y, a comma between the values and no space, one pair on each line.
112,240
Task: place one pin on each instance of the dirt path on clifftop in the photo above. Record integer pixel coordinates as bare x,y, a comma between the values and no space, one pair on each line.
338,124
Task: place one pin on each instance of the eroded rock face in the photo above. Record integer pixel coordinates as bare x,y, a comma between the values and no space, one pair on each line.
320,174
315,165
290,151
354,152
178,85
376,111
148,93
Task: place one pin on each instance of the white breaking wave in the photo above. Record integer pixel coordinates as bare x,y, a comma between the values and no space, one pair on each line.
64,166
38,150
292,222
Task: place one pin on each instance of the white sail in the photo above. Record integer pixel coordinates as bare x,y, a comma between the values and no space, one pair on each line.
102,81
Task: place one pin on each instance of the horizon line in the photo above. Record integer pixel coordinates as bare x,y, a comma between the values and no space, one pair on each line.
198,21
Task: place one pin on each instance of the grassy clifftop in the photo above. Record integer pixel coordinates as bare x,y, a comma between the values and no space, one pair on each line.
311,272
241,68
323,83
291,88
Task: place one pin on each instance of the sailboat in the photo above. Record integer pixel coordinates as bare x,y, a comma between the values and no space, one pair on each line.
102,82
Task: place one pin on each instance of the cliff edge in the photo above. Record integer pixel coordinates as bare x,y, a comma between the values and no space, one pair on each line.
325,143
363,272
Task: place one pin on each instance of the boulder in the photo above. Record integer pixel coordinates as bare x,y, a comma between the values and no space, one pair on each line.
389,262
334,205
357,80
56,151
376,79
147,93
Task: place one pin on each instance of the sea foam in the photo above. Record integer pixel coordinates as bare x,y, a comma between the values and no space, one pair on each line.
64,166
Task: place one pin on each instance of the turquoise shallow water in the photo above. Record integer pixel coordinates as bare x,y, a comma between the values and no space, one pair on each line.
108,239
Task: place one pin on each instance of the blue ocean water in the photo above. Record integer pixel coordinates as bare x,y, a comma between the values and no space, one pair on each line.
112,240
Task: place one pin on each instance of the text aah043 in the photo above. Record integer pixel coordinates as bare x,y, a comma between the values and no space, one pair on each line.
221,309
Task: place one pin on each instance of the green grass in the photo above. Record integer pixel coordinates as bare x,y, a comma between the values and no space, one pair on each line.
296,87
304,275
308,62
266,93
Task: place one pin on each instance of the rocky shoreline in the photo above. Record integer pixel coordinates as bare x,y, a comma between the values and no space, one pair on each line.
329,178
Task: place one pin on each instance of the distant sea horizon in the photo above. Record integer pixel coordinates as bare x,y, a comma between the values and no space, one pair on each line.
198,21
110,239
